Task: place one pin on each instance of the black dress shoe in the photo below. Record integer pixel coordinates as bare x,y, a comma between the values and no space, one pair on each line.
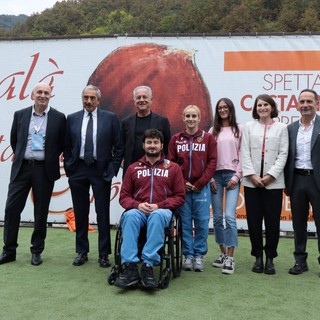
36,259
7,257
269,267
299,268
258,265
80,259
104,261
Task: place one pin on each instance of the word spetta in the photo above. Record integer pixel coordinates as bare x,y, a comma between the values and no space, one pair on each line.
155,172
195,147
9,84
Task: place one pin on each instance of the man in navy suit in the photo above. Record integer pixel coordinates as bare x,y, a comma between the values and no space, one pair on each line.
134,126
97,172
37,138
302,175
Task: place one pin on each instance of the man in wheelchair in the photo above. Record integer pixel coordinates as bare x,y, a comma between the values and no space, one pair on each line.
152,188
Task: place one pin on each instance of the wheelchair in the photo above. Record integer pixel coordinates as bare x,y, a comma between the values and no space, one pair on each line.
170,253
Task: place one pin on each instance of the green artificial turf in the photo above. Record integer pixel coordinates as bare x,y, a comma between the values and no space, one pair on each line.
58,290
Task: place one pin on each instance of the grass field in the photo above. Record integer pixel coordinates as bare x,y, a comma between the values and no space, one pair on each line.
58,290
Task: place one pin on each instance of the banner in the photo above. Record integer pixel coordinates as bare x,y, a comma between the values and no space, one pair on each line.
180,71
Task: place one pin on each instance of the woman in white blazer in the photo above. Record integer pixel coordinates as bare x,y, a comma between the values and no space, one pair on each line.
264,152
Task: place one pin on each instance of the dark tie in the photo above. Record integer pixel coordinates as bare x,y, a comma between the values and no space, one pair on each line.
88,145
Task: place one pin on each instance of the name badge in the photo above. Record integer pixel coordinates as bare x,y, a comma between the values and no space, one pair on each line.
37,142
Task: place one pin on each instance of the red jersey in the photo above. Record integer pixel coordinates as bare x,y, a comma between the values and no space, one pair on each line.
161,184
196,154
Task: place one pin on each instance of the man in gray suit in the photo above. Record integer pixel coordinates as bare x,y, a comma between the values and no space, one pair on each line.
302,175
37,138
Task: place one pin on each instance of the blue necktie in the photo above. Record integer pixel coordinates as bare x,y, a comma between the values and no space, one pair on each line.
88,145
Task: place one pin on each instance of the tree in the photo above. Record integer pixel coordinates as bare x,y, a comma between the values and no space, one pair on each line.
309,20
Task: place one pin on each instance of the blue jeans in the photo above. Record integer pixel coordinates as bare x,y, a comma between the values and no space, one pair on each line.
195,212
131,223
225,236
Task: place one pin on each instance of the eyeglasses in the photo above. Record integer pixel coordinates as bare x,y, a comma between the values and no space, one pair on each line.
223,108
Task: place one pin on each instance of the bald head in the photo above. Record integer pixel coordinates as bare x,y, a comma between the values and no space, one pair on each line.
41,95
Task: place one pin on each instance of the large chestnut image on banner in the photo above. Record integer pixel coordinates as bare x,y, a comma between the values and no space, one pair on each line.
170,73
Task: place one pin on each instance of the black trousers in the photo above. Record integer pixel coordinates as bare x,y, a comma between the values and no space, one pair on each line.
29,177
263,204
304,192
80,182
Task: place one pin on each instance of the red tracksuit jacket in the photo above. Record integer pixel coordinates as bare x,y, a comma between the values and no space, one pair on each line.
161,184
196,154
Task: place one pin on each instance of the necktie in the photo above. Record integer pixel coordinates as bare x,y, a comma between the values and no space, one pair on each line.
88,145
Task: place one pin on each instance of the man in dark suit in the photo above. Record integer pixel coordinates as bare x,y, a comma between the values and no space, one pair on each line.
92,157
37,137
302,175
133,126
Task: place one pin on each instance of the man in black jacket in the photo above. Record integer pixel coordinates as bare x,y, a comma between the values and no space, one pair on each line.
37,139
302,175
133,126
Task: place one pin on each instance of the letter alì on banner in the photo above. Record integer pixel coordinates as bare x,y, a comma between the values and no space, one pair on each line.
199,70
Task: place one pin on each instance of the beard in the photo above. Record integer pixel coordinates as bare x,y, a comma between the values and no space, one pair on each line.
154,154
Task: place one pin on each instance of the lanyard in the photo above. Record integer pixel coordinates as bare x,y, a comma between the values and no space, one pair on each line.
36,124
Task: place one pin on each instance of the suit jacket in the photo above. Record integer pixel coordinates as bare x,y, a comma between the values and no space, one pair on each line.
109,143
128,126
54,141
315,153
275,153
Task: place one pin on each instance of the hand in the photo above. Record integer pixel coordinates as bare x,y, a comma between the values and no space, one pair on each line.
231,184
213,186
147,208
256,181
267,179
189,186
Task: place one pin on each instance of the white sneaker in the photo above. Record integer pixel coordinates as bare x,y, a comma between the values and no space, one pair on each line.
228,266
218,263
198,263
187,264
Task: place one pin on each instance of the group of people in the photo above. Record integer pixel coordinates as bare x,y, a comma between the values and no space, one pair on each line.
269,158
92,148
163,174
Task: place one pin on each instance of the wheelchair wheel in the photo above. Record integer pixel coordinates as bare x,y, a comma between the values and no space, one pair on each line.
177,252
117,247
164,279
116,269
112,276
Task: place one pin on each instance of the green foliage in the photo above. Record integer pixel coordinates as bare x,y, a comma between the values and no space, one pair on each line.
8,21
79,17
